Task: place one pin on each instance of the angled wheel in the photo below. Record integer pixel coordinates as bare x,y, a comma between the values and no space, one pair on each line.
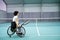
9,32
21,31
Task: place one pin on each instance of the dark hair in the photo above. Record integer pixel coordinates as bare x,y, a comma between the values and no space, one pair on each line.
15,13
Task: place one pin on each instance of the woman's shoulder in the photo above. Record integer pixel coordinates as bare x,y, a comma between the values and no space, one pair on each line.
15,16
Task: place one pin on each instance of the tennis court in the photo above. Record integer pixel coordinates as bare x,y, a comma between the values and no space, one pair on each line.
43,16
34,31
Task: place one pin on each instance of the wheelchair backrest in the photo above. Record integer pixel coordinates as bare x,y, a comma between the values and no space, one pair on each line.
13,24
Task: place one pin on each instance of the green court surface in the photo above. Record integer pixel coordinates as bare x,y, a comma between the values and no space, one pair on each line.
34,31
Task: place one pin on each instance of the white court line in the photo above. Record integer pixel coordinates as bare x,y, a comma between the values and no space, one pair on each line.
42,35
49,35
37,28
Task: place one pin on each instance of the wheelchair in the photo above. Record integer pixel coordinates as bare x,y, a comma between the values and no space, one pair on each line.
20,31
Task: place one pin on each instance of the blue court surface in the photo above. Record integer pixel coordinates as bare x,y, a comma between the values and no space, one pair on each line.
34,31
44,17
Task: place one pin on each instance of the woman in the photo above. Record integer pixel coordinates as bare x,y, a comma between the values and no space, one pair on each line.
15,21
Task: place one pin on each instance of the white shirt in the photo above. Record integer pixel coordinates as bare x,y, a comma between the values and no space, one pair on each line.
14,18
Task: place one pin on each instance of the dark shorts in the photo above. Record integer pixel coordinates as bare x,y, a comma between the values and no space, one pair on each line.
13,26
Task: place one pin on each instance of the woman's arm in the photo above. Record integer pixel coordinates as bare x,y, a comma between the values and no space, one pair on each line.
17,22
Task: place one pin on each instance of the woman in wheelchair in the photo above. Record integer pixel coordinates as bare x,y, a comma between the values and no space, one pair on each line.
15,21
16,27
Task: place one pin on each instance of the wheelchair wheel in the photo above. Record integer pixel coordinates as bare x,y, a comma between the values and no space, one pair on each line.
21,31
9,32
